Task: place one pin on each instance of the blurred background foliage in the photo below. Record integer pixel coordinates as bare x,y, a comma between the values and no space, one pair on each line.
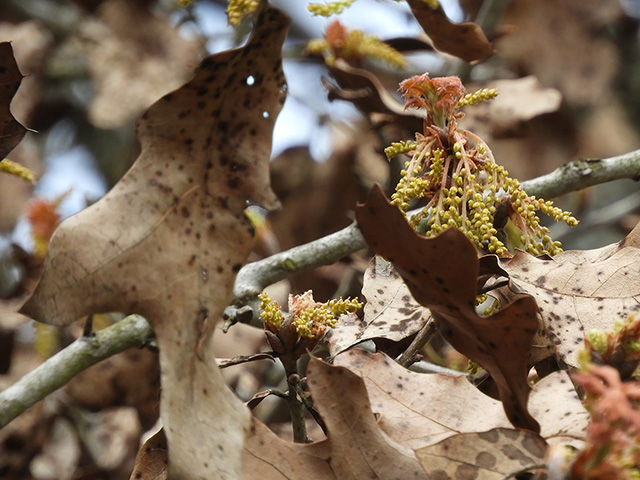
568,74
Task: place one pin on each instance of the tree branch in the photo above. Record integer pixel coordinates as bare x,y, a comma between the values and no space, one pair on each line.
132,331
254,277
583,173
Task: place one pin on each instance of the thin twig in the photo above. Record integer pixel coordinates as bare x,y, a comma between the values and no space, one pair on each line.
583,173
409,356
254,277
132,331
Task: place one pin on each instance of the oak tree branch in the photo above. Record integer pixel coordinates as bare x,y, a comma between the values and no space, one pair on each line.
132,331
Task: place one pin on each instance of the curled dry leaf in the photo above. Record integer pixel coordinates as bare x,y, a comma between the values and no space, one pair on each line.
578,291
152,459
390,311
463,40
442,274
11,131
169,238
483,456
366,92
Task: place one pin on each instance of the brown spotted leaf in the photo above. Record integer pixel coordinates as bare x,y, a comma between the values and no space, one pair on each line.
442,274
483,456
578,291
417,410
169,238
355,448
463,40
152,459
358,447
390,311
555,403
11,131
278,459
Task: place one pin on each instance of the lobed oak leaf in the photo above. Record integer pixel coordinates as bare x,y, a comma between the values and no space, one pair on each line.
442,274
278,459
169,238
464,40
355,447
555,403
11,131
417,410
577,291
359,448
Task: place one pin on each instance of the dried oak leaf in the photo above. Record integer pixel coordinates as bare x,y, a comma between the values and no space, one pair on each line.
359,448
152,459
418,410
277,459
355,447
555,403
365,91
483,456
518,101
169,238
11,131
390,311
578,291
463,40
442,274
